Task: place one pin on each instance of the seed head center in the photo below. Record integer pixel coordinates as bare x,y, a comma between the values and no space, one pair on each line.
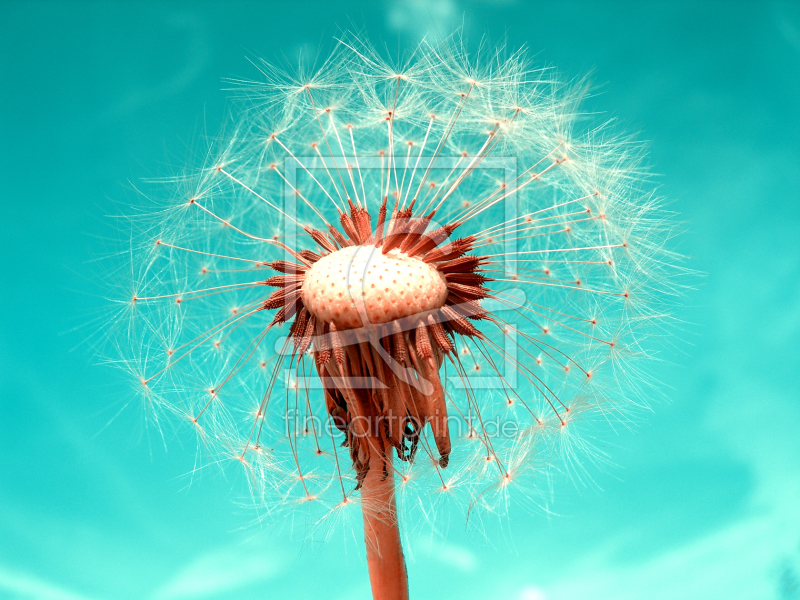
360,283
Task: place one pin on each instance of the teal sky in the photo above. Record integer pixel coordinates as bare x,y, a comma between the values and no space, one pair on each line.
704,498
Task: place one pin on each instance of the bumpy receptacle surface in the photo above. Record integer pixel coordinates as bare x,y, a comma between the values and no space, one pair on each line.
358,281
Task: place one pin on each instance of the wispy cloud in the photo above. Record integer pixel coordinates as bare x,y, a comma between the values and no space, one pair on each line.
790,32
531,593
22,586
220,571
452,555
197,56
417,18
736,562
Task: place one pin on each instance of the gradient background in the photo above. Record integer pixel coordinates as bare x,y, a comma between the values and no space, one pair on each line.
705,499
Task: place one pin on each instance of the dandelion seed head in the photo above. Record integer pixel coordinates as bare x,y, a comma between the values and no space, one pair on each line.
436,253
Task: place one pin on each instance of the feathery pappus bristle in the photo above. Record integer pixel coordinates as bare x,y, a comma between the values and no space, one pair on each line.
435,253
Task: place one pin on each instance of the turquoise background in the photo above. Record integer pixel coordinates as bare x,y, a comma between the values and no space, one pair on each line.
704,500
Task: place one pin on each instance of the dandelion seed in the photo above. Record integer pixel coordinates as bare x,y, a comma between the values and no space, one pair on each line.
409,309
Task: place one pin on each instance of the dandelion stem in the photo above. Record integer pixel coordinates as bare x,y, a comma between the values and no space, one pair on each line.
385,560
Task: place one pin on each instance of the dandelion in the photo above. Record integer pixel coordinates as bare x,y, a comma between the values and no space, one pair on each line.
397,283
